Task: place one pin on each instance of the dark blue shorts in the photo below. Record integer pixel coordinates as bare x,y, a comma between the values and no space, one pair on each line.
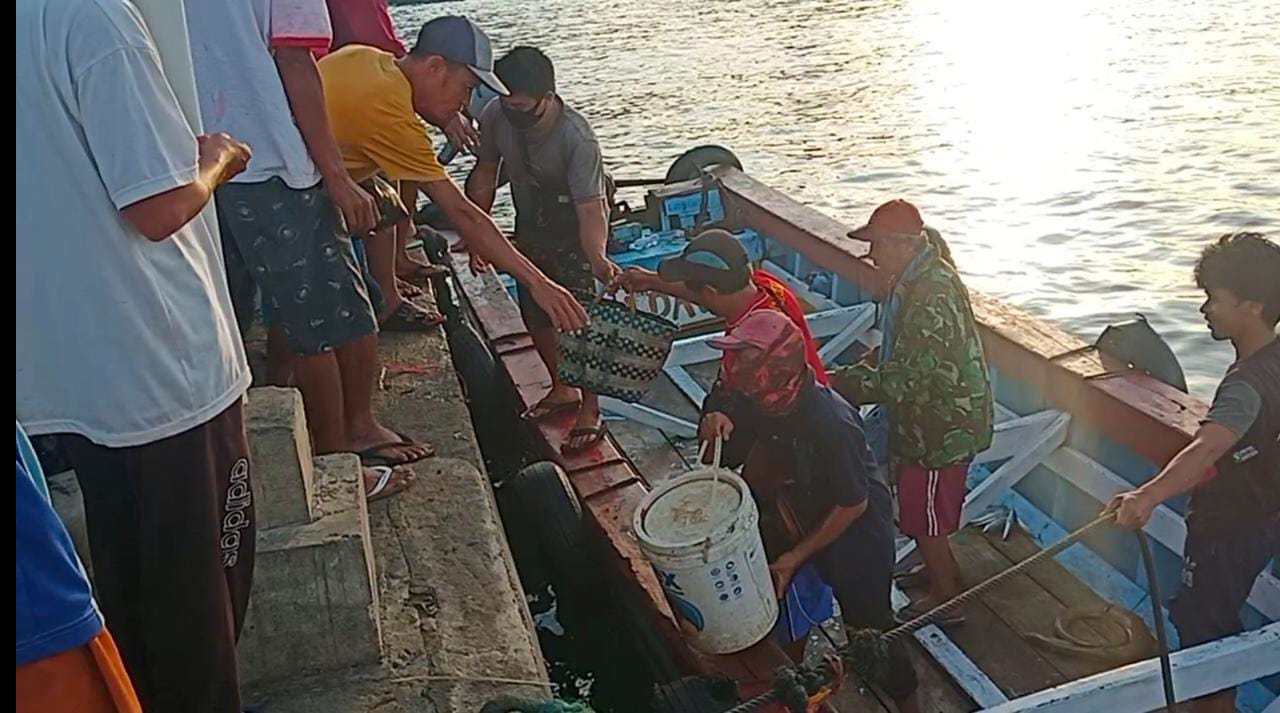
1218,572
290,244
858,567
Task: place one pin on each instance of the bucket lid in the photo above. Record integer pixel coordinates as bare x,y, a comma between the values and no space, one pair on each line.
687,513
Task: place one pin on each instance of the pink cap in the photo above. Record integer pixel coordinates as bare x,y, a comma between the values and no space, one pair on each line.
760,329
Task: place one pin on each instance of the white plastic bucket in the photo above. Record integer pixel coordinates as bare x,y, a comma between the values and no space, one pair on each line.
701,532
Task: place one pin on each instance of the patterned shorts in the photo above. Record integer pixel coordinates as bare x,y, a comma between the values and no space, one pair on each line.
566,266
292,246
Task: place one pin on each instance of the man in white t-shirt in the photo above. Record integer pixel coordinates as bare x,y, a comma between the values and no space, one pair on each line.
126,343
283,218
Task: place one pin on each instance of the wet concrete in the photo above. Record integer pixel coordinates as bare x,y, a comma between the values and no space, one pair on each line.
456,631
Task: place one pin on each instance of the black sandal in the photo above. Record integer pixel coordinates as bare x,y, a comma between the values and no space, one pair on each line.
594,435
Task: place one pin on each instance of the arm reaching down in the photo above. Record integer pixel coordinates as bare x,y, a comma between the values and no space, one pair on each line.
483,237
833,525
593,232
302,85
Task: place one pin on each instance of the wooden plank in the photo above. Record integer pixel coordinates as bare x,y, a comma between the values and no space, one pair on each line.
648,450
1197,672
966,674
688,385
1021,602
963,672
1015,469
853,698
856,328
937,691
992,643
1011,436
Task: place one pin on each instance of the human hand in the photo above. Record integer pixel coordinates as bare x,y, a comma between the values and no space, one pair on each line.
229,156
1132,509
782,570
566,314
359,209
605,270
715,425
462,133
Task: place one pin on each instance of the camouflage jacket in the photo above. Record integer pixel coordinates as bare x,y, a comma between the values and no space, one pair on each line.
934,378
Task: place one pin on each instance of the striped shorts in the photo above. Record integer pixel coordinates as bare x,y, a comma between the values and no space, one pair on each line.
930,499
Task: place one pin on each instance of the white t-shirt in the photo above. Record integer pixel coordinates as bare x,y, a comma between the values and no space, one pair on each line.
240,89
120,339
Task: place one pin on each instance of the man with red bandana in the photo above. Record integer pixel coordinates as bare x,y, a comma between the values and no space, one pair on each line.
821,497
715,273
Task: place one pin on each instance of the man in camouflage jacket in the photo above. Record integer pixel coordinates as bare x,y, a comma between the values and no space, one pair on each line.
931,376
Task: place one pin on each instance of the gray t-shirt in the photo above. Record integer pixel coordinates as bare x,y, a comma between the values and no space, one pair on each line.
1236,406
567,157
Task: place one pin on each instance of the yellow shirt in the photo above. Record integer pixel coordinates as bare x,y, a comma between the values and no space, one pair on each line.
370,105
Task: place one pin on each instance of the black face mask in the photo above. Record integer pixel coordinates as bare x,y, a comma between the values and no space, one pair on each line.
524,120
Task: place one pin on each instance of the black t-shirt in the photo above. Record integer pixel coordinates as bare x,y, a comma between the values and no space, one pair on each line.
829,462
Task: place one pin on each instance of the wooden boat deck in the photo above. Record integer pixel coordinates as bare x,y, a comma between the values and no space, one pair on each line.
994,637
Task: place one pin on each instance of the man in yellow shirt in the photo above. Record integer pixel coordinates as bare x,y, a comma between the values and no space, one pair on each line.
377,105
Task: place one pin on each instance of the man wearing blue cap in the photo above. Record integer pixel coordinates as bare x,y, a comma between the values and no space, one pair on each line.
377,105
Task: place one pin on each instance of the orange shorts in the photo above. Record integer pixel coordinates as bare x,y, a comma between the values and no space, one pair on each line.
87,679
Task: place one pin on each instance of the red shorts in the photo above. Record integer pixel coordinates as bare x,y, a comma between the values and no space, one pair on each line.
930,499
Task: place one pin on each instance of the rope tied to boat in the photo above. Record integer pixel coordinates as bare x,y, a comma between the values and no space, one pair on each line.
867,650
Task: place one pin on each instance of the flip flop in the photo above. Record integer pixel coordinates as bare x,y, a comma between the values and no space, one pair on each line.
371,458
408,317
593,437
407,289
543,409
383,488
917,608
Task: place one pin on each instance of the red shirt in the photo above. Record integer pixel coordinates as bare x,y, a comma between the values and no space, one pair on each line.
774,294
364,22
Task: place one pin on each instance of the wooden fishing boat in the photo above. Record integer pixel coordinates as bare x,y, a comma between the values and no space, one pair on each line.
1075,426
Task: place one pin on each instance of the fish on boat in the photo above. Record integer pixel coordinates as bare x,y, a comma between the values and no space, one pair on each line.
1076,424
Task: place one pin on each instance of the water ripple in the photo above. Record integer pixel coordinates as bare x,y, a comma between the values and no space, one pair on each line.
1077,154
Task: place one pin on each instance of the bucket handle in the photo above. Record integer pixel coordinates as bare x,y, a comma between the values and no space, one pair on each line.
715,445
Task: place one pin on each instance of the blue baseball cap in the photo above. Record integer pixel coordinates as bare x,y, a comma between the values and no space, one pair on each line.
715,257
458,39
